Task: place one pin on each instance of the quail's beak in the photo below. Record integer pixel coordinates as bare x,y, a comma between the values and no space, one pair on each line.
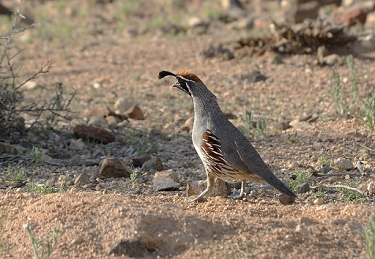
177,84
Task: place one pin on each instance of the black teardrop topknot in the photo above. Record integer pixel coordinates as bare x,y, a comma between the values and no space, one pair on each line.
165,73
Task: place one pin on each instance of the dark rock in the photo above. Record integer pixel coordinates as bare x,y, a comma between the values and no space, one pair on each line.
114,167
95,134
302,188
325,169
286,200
135,113
130,248
139,161
352,16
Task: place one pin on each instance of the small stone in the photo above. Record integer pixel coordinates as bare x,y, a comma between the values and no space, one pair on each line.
112,121
30,85
128,248
95,134
302,188
301,228
77,144
139,161
9,149
332,59
123,104
78,240
166,181
114,167
98,121
319,201
371,187
339,222
286,200
325,169
155,163
82,179
197,187
307,221
352,16
322,207
135,113
54,137
343,164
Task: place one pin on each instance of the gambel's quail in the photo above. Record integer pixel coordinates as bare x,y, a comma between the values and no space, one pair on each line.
225,152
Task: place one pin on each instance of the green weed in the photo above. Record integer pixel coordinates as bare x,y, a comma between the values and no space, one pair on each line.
369,234
344,99
323,160
36,155
39,188
16,175
369,112
301,177
42,248
134,176
249,125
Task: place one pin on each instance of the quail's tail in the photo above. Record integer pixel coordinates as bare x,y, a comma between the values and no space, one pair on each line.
279,185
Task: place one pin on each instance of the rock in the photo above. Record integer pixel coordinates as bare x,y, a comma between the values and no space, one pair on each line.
123,104
197,21
135,113
371,187
9,149
30,85
139,161
197,187
352,16
343,164
98,121
95,134
114,167
301,228
332,59
297,13
166,181
324,138
325,169
218,51
99,110
54,137
307,221
286,200
188,125
82,179
153,164
128,248
339,222
319,201
302,188
245,23
112,121
231,4
77,144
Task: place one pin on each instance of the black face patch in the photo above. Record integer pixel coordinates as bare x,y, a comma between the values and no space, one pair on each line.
182,85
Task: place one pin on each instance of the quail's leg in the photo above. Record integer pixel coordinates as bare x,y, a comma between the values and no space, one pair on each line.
242,192
242,189
210,185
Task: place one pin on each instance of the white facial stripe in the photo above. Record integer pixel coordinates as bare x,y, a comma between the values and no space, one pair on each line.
186,84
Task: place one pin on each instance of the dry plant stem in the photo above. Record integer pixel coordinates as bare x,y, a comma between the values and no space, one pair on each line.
370,149
340,186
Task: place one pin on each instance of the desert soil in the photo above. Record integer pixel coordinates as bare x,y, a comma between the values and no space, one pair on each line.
104,63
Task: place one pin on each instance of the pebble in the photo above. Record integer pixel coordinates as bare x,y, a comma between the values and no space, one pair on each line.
319,201
343,164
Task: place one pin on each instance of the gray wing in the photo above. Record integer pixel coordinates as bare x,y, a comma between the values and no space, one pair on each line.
238,151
